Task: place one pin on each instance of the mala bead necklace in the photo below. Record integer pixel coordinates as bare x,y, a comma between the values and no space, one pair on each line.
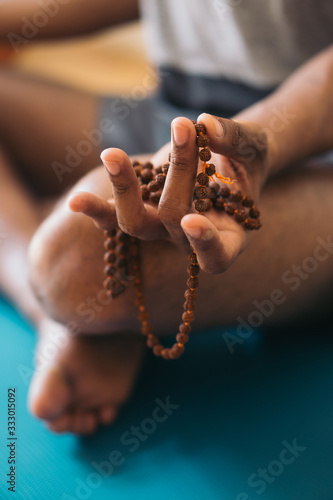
122,252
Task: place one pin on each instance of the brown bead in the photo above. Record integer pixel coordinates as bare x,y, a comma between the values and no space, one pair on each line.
225,192
193,270
203,205
165,353
143,316
152,340
205,154
160,179
254,213
110,257
153,186
107,283
112,284
184,328
200,128
188,316
109,244
240,216
155,197
136,163
145,192
169,157
146,329
219,203
230,208
146,175
202,140
157,349
250,224
165,168
212,194
210,169
237,195
138,170
178,349
193,258
148,164
189,305
248,201
158,170
111,233
192,282
190,294
182,338
201,192
121,262
108,270
202,179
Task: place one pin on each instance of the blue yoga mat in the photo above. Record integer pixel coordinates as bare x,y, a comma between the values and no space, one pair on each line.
257,423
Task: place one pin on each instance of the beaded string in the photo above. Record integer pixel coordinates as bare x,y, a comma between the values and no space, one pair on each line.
122,252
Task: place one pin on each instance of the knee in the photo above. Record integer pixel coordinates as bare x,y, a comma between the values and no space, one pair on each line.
66,264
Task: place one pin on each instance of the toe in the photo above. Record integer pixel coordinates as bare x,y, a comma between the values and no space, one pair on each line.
61,425
83,422
49,394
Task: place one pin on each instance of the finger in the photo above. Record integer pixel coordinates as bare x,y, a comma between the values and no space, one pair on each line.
239,141
133,216
176,200
216,250
99,210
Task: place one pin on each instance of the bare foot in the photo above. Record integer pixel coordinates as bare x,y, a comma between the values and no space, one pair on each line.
87,380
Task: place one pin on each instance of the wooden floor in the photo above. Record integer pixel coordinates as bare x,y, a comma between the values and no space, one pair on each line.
111,62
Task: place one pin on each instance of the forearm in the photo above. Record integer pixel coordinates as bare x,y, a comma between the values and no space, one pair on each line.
65,17
298,116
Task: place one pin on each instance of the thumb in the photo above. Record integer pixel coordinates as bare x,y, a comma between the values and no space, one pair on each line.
240,141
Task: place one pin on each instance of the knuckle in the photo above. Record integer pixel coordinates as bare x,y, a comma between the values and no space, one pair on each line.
132,228
179,164
170,214
120,188
237,133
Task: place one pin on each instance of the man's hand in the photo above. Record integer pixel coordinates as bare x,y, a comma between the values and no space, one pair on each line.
239,151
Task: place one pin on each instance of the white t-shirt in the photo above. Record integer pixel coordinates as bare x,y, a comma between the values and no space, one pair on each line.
255,42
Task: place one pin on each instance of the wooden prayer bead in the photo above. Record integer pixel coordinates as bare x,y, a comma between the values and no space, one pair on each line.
188,316
201,192
230,208
148,164
225,192
200,128
109,244
110,257
155,197
157,349
202,179
192,282
247,201
202,141
182,338
240,216
193,270
152,340
160,179
190,294
146,175
184,328
145,192
193,258
219,203
111,233
237,196
210,169
203,205
254,213
153,186
138,170
165,168
205,154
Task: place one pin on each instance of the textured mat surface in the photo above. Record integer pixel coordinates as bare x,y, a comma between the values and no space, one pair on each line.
257,423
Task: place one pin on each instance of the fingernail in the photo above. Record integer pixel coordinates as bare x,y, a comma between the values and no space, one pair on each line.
180,134
219,132
112,166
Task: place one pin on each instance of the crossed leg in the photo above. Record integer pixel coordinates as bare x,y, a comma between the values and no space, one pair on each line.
289,262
